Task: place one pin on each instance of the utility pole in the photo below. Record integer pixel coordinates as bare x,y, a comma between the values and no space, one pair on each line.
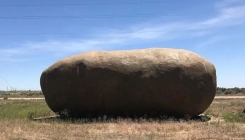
6,83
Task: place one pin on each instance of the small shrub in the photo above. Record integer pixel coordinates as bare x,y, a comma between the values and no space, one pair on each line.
31,115
64,113
228,92
6,93
24,110
239,117
5,98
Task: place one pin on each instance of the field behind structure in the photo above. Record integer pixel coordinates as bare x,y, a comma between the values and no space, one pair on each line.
21,94
224,119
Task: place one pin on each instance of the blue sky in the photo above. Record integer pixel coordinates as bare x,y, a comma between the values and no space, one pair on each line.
36,34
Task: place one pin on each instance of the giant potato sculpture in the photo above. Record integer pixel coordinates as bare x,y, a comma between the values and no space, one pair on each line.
136,82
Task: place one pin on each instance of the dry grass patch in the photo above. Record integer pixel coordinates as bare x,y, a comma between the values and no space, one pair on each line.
229,109
121,129
21,94
22,109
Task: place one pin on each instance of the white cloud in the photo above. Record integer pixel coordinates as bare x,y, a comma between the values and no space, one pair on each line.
13,51
227,3
212,40
226,16
105,41
18,54
11,54
13,59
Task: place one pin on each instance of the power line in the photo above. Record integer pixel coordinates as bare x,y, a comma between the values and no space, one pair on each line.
83,4
96,16
6,82
85,16
75,33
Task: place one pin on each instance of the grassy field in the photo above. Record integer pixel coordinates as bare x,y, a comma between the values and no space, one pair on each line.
21,94
16,120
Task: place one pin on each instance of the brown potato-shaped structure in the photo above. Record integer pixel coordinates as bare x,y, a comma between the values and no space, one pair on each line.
149,81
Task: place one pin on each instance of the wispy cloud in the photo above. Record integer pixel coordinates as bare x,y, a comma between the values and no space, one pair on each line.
12,54
229,13
107,41
18,54
212,40
228,3
227,16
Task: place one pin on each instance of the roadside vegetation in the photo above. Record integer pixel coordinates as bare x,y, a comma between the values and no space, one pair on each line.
38,94
230,110
21,94
230,91
21,109
224,119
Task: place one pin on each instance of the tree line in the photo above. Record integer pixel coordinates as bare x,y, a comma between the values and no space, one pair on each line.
226,91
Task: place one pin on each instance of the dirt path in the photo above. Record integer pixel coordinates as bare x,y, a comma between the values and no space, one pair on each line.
24,98
216,97
229,97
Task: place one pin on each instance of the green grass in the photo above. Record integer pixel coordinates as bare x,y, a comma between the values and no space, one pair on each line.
227,109
22,94
230,110
239,117
14,124
23,109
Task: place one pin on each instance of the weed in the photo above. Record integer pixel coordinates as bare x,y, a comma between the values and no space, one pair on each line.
16,119
64,113
239,117
23,109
